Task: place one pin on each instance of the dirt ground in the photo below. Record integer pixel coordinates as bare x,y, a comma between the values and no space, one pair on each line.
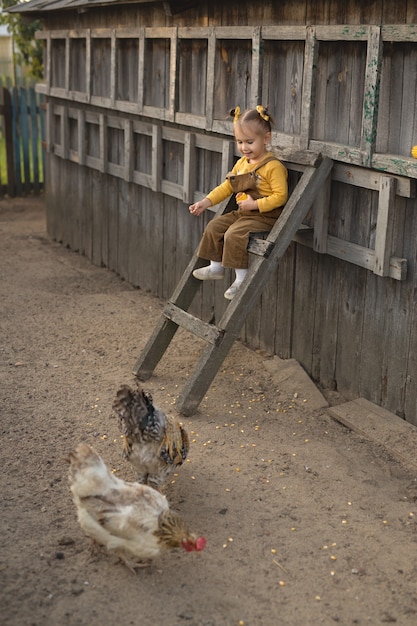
306,522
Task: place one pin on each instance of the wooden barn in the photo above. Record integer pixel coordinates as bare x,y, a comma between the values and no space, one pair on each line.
138,94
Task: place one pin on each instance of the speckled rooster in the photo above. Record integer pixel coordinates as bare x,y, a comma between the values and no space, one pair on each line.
154,443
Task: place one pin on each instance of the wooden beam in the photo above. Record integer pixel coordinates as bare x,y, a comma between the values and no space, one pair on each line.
173,84
67,66
371,94
384,225
308,94
353,253
81,136
320,210
211,61
141,70
88,65
113,68
256,77
156,157
208,332
190,165
129,151
103,143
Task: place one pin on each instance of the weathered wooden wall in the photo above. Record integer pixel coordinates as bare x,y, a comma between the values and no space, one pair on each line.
137,102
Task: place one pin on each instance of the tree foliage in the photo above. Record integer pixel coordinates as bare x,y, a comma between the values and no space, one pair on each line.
28,50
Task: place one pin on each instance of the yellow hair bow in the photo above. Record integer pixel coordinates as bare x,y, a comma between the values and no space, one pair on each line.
261,111
237,114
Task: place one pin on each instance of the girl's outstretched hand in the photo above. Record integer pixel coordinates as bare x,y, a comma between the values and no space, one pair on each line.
198,207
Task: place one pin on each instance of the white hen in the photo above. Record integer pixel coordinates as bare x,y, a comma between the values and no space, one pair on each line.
130,520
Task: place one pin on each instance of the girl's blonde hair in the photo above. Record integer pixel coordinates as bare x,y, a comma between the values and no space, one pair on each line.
260,116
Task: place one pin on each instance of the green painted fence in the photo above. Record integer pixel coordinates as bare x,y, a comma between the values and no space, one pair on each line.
22,167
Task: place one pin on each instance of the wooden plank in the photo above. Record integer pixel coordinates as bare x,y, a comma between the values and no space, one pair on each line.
64,133
371,94
88,87
384,226
173,134
128,150
260,247
256,68
128,33
320,211
284,33
159,32
169,228
119,227
173,84
190,163
58,34
342,32
207,142
208,332
197,121
297,157
398,307
394,434
304,295
399,32
227,157
81,137
156,158
350,326
353,253
8,136
67,66
101,33
194,32
141,71
113,68
308,94
324,340
174,190
16,143
211,61
371,179
103,143
24,136
234,32
394,164
336,151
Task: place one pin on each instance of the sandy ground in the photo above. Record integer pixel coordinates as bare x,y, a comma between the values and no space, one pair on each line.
306,521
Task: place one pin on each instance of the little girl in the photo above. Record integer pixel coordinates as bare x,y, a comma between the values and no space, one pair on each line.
260,181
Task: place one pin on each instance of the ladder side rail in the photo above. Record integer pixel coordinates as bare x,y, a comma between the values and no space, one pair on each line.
165,329
281,236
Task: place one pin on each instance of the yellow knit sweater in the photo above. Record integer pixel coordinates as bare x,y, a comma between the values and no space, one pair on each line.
271,183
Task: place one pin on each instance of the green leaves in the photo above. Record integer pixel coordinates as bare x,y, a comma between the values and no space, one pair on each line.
28,50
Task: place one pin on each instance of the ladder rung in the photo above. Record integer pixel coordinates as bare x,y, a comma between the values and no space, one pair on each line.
261,247
259,244
208,332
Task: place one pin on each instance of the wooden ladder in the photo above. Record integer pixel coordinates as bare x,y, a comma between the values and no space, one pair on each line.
267,252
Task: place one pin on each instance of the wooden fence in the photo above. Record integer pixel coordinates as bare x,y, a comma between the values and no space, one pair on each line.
22,168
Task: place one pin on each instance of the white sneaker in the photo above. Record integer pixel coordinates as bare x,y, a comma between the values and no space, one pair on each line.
230,293
206,273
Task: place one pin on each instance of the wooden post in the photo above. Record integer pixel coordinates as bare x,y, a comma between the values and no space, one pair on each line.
384,225
8,132
34,140
16,143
